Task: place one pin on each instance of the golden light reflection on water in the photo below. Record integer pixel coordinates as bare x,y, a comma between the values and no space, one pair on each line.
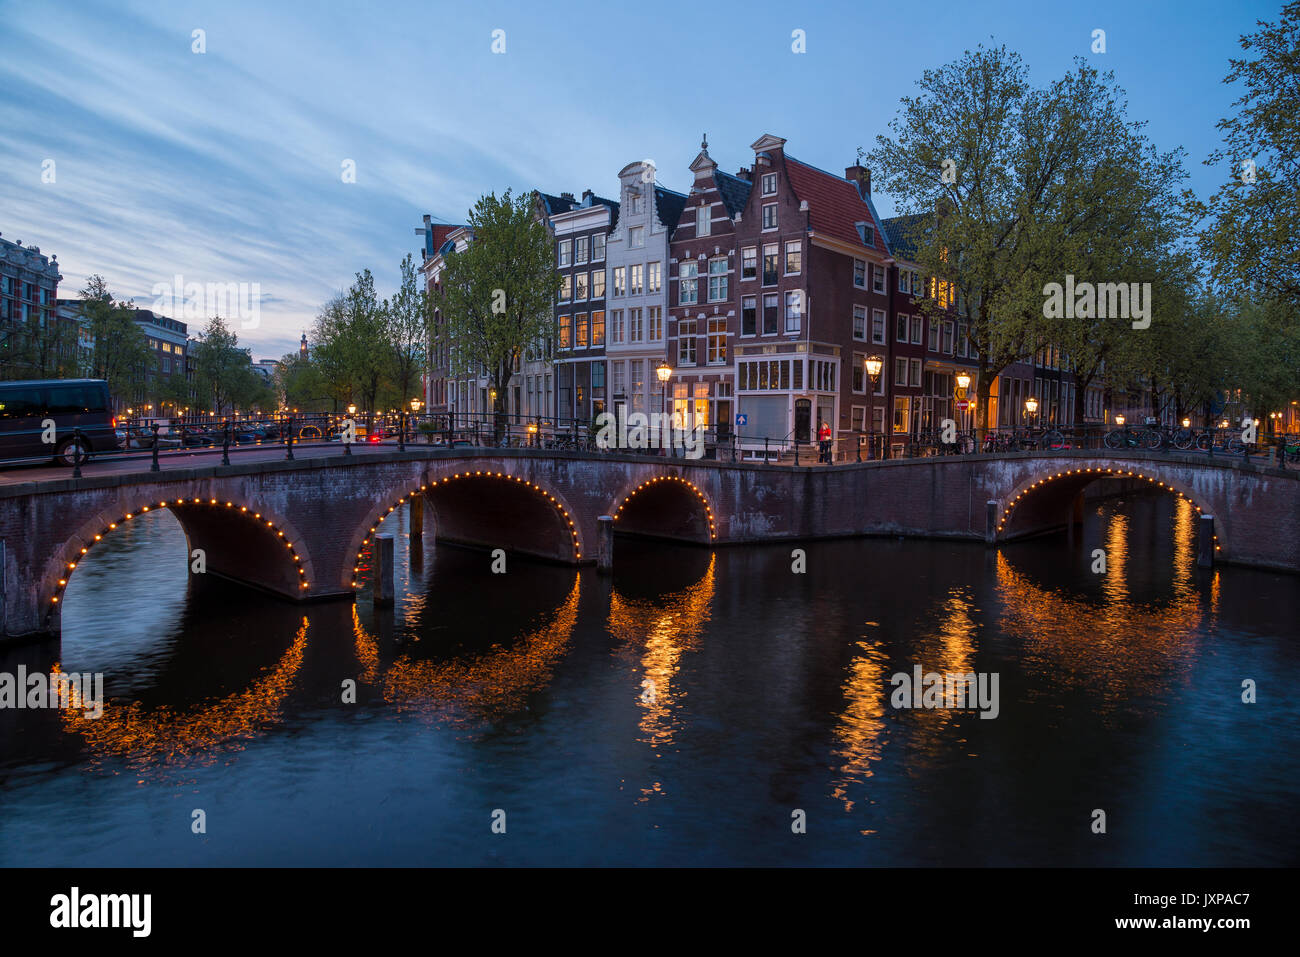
477,688
162,736
663,629
1118,649
860,728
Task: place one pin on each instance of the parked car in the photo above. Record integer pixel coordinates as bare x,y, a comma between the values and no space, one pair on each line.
39,419
141,437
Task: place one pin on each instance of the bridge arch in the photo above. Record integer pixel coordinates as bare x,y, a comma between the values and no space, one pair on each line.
482,507
1045,497
665,506
279,560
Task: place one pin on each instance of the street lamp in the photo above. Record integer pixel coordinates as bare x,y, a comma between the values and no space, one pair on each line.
349,439
873,364
665,372
1187,423
1031,407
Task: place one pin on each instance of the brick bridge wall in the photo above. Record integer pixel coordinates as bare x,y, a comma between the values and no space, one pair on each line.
295,528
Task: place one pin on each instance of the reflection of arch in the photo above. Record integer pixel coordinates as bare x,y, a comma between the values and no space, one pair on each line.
161,735
1071,482
560,514
654,508
486,686
207,526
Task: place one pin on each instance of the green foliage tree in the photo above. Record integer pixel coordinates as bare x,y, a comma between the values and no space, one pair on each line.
222,371
407,322
121,351
498,295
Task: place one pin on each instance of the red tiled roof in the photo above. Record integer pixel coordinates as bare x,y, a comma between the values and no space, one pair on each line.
834,205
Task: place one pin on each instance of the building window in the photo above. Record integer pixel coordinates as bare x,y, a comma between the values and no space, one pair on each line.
566,252
961,340
566,287
619,281
580,286
635,237
580,325
769,184
900,371
597,247
635,331
947,338
597,328
598,284
717,341
633,201
793,310
688,282
859,372
686,342
901,325
566,330
769,216
703,220
860,323
770,253
749,316
580,249
771,307
902,406
749,262
902,280
860,273
934,335
916,283
654,278
877,278
878,326
718,279
656,328
793,258
616,325
868,236
918,329
916,372
636,280
620,378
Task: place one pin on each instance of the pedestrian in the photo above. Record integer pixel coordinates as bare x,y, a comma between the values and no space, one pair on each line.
824,439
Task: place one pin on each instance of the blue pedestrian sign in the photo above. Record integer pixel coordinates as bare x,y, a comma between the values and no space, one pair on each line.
742,420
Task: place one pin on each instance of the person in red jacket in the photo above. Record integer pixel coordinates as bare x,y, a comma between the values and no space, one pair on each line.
824,438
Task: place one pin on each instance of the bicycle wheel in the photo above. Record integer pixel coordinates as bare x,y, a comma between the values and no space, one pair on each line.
1152,439
1203,442
1115,440
1183,439
1054,440
1234,445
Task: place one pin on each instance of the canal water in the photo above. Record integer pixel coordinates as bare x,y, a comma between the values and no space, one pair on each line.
701,707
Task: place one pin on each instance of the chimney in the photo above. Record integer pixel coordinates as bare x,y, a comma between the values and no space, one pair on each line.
860,176
568,196
587,197
746,174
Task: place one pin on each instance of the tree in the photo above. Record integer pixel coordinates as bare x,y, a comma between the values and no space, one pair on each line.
221,368
498,295
1253,230
407,321
121,352
1011,187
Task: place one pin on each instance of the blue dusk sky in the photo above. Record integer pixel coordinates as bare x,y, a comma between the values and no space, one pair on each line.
226,166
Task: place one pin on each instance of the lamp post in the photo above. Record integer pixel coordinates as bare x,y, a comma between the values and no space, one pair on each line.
963,383
873,365
350,432
415,412
492,402
665,372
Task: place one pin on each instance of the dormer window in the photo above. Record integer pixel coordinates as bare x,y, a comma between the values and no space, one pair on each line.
868,234
704,220
769,184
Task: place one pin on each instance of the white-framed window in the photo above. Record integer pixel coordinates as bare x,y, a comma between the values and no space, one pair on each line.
916,372
566,252
769,216
717,341
748,316
655,328
916,283
947,337
566,287
900,371
618,377
860,273
933,344
654,278
703,220
597,247
771,255
877,278
769,184
635,237
580,331
860,323
598,284
566,332
901,325
598,328
961,340
749,262
633,201
580,250
860,372
918,329
771,308
718,279
635,326
636,279
580,286
793,257
619,281
878,326
902,280
793,310
616,330
686,342
688,282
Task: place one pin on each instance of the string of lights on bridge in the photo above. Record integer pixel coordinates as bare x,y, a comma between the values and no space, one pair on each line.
681,481
303,585
1116,473
559,507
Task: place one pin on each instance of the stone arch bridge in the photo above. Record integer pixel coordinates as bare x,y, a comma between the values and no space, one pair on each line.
298,527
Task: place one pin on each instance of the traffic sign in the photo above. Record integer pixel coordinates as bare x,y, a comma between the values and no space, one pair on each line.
742,419
963,405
